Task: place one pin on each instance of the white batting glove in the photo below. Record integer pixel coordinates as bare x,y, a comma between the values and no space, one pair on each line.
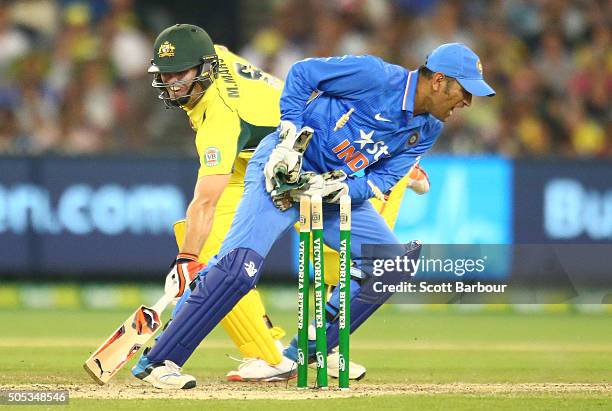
185,268
418,180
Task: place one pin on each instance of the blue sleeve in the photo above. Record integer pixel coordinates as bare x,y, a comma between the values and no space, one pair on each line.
386,173
352,77
381,176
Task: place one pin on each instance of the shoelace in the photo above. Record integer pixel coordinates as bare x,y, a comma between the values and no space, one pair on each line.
243,361
172,366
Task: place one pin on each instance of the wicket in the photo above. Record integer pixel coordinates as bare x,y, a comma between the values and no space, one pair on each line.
311,220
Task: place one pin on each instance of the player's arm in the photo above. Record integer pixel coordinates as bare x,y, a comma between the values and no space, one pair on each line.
201,211
198,224
217,145
351,77
382,176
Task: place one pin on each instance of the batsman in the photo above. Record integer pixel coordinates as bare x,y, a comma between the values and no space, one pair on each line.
351,124
231,105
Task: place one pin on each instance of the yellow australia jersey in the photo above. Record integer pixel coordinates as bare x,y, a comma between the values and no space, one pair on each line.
237,111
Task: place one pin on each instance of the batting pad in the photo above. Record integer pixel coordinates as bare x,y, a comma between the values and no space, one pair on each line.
222,286
363,303
247,327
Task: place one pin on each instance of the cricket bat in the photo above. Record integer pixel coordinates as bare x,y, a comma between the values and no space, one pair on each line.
124,343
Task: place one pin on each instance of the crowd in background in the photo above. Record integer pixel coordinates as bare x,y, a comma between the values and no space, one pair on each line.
73,73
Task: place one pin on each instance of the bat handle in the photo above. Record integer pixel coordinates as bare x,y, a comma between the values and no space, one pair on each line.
162,303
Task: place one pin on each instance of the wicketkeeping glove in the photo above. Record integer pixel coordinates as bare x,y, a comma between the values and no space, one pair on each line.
330,186
182,272
285,161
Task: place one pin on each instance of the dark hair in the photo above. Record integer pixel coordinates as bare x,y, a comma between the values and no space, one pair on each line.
425,72
428,74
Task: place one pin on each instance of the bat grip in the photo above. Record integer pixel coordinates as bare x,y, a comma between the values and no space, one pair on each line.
162,303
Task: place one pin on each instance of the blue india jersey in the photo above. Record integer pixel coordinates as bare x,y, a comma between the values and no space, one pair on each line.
361,110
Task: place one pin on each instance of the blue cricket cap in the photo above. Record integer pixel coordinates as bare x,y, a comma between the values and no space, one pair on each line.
458,61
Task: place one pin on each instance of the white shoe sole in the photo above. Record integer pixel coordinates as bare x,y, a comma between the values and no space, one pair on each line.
276,378
160,385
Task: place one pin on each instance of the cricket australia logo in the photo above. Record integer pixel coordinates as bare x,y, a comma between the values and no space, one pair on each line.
166,49
250,268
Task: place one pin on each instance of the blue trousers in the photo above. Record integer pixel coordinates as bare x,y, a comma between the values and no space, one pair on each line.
257,224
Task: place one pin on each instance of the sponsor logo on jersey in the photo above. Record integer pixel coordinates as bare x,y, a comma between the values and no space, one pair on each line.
166,49
212,156
381,118
356,160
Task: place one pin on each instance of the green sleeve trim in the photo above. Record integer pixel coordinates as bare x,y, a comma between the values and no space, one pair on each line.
251,135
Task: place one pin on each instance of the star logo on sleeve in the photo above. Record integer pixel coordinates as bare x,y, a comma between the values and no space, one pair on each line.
365,138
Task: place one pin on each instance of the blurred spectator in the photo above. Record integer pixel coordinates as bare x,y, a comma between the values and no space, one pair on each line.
12,141
38,105
287,39
13,42
73,73
129,52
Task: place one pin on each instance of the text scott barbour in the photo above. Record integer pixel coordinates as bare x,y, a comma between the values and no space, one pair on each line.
402,267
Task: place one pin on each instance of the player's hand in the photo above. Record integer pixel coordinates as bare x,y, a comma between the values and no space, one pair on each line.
282,201
418,180
330,186
183,271
283,166
285,162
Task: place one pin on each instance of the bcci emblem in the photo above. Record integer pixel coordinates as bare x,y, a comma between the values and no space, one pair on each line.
413,138
479,66
166,50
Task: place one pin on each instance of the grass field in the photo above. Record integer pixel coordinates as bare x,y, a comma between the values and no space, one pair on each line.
415,360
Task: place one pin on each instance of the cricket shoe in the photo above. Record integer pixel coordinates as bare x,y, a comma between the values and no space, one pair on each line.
256,370
164,375
356,371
